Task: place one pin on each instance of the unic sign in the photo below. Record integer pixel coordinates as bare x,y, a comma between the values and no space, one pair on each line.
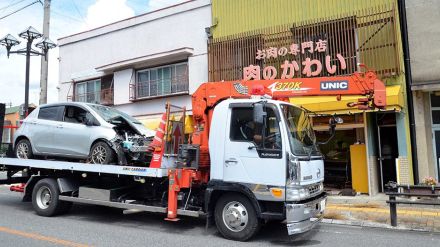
311,67
334,85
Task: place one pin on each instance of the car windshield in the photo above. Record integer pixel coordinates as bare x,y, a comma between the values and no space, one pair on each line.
302,137
109,114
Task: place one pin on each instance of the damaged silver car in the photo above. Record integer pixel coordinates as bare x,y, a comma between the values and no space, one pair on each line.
81,131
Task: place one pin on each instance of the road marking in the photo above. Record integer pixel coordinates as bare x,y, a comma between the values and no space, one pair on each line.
41,237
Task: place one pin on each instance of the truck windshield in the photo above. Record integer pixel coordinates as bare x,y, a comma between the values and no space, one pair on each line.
302,137
108,113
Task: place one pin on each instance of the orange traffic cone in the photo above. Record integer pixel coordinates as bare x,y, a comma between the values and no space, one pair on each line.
160,132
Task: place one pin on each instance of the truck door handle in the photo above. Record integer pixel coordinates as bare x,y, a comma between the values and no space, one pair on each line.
232,160
60,126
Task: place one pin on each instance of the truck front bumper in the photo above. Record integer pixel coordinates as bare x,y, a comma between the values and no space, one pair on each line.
303,217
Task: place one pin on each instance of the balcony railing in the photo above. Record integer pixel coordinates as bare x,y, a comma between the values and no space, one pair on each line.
103,97
161,87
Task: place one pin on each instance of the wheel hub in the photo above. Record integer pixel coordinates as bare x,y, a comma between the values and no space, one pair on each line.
22,151
235,216
44,197
99,155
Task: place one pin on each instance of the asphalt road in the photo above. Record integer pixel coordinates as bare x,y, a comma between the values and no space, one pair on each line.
100,226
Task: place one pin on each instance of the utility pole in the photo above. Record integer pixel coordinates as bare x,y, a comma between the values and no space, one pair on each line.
45,60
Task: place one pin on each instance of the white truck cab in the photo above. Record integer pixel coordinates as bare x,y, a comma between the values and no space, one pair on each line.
276,160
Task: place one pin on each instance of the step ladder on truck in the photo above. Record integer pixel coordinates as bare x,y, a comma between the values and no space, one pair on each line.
252,158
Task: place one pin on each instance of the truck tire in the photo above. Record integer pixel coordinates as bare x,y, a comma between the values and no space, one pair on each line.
101,153
236,218
23,149
45,198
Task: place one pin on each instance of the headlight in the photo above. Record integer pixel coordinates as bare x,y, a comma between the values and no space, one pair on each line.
296,194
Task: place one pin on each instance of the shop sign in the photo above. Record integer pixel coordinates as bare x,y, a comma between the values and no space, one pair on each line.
286,86
311,67
334,85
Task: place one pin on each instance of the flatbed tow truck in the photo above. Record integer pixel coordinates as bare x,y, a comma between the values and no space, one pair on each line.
252,158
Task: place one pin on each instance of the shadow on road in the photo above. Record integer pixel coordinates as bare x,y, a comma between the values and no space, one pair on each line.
276,234
271,233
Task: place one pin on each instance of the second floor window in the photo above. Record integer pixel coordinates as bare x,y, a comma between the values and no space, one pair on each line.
164,80
88,91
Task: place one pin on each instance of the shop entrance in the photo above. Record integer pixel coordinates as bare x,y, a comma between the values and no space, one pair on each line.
436,136
387,148
435,121
343,154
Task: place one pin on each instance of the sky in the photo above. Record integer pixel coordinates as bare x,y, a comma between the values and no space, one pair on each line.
67,17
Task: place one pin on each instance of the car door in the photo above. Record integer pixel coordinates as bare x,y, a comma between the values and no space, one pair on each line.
73,136
42,128
247,161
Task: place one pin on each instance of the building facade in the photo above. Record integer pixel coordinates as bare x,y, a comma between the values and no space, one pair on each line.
139,64
273,39
423,36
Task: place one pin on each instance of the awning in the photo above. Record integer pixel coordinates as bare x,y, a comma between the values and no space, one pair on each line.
329,104
149,60
153,123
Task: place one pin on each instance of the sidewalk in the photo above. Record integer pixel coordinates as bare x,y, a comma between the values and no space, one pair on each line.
372,211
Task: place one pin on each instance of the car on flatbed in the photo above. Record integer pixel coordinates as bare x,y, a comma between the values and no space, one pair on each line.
82,131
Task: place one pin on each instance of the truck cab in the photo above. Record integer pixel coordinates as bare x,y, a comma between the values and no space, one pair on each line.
266,152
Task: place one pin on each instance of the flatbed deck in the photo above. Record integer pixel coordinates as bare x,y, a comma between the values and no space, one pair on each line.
84,167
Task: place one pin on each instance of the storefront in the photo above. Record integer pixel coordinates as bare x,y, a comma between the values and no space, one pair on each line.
372,147
346,154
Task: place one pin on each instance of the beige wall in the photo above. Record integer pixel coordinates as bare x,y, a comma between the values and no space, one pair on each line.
422,116
423,17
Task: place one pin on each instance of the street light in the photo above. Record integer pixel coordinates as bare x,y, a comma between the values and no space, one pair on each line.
30,34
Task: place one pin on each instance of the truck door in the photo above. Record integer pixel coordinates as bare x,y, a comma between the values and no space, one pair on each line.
253,157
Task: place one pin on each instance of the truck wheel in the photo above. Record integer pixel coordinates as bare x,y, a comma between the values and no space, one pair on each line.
101,153
45,198
236,218
23,149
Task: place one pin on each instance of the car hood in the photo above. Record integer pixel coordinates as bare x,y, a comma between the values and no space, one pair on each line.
142,130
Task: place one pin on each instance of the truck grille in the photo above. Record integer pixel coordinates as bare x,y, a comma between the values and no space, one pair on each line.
313,189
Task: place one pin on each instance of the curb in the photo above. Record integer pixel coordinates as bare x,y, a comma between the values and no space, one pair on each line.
376,225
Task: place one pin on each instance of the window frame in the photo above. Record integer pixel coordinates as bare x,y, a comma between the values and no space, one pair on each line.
87,93
60,112
148,83
80,107
277,120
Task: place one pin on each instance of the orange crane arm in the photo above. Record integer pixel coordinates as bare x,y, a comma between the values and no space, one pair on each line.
371,90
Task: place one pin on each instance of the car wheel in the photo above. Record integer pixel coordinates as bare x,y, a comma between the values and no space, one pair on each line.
101,153
23,149
45,198
236,218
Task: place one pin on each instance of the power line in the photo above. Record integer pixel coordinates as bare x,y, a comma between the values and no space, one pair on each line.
77,10
67,16
12,4
20,9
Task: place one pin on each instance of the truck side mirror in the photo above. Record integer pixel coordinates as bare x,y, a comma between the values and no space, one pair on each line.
332,124
259,114
332,128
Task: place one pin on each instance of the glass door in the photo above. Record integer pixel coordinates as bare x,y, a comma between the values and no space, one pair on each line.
388,153
436,136
435,121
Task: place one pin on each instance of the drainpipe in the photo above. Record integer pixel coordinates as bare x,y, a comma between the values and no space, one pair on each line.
408,80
